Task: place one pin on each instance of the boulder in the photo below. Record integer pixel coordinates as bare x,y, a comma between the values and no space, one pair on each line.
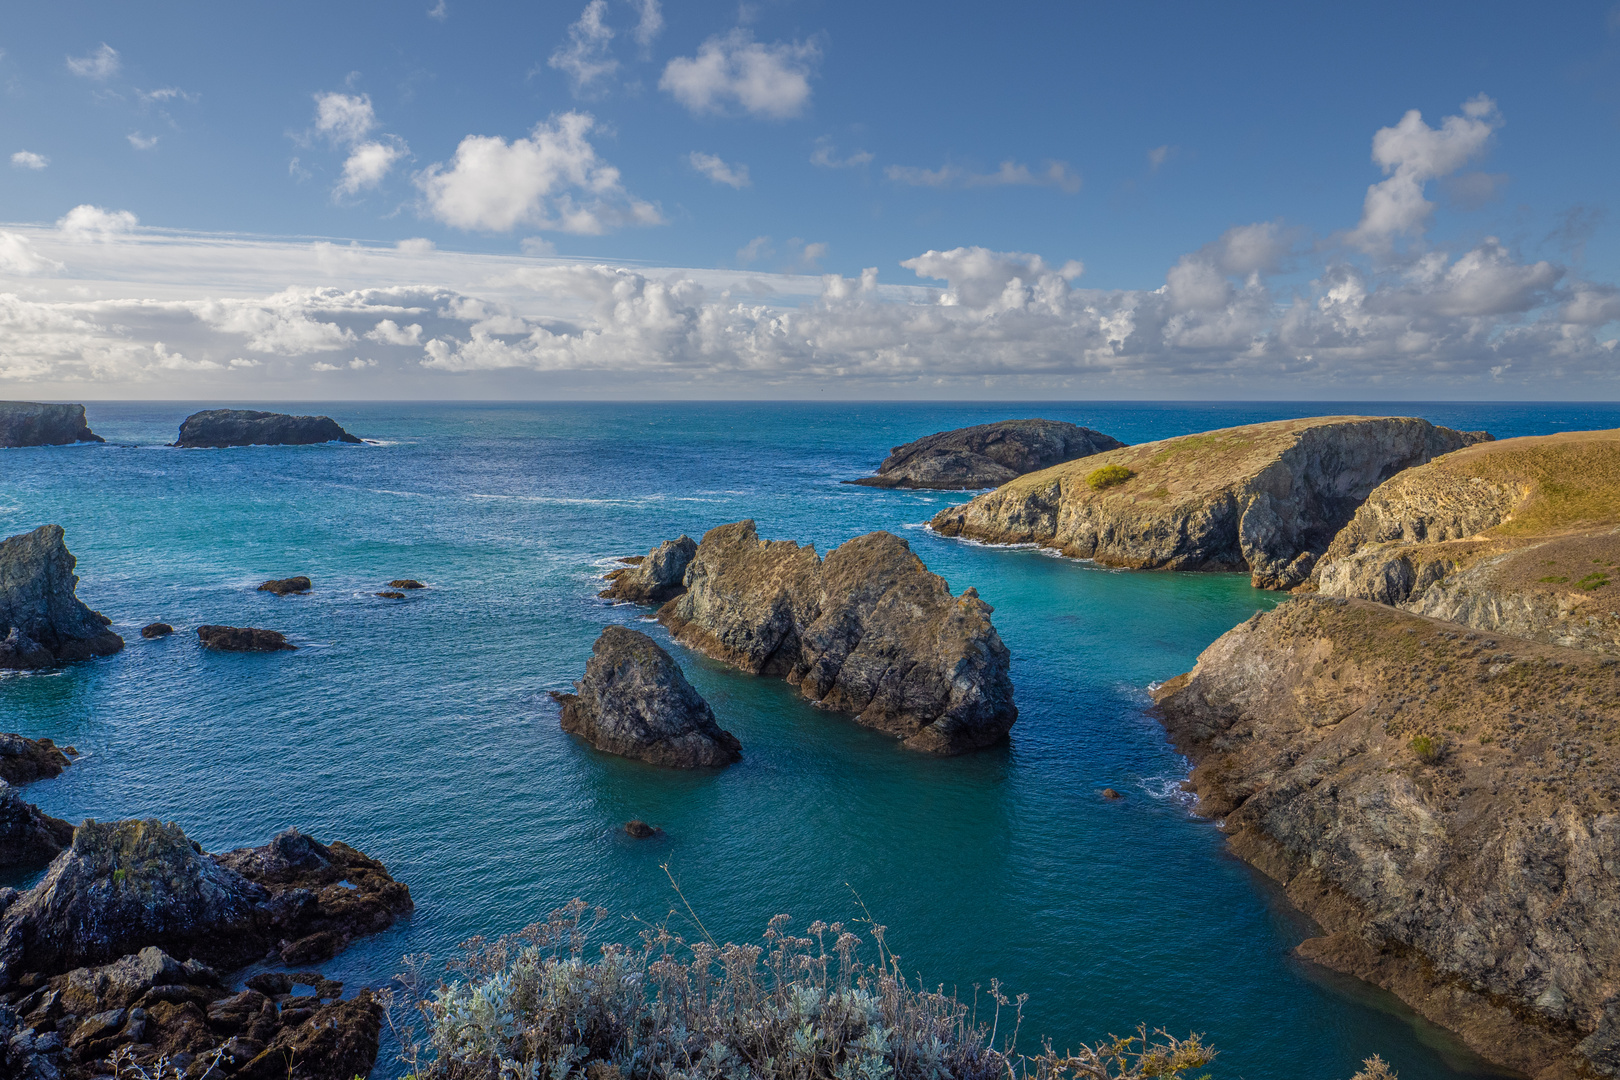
867,631
285,586
42,620
406,583
243,639
641,830
653,578
633,701
986,455
31,423
1265,498
246,427
391,594
22,761
156,630
28,837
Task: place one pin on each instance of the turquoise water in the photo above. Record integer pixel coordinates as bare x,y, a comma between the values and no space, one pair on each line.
420,731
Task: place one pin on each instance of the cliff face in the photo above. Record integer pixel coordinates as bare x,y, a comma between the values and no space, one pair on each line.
1519,537
1472,874
1267,498
868,631
654,577
986,455
42,621
246,427
30,423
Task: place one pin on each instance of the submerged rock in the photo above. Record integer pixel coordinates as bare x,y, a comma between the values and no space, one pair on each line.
986,455
156,630
243,639
653,578
391,594
246,427
867,631
32,423
22,761
634,701
1266,498
28,837
42,621
641,830
285,586
406,583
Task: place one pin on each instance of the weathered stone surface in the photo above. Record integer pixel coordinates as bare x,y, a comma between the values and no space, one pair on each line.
31,423
156,630
243,639
634,701
868,631
286,586
247,427
1472,873
986,455
22,761
29,837
1267,498
42,621
654,577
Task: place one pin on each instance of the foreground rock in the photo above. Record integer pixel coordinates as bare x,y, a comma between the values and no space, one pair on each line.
868,631
634,701
246,427
1516,537
243,639
986,455
42,621
28,837
1266,498
1442,802
287,586
31,423
652,578
22,761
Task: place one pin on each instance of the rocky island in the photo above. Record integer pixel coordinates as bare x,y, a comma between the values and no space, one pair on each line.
246,427
243,639
42,620
634,701
986,455
32,423
1266,498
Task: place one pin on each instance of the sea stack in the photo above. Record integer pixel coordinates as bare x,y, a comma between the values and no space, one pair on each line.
42,621
654,577
32,423
986,455
633,701
245,427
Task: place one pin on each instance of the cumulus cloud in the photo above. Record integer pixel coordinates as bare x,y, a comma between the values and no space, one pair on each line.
345,119
735,71
85,223
18,257
388,332
100,65
1054,174
979,277
366,166
1411,154
585,58
551,180
142,142
650,24
439,11
717,170
27,159
826,157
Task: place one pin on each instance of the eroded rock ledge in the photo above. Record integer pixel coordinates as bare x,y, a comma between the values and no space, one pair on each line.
1266,498
247,427
32,423
867,631
1444,803
986,455
654,577
42,621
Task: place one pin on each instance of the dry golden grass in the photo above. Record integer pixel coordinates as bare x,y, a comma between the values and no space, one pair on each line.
1571,480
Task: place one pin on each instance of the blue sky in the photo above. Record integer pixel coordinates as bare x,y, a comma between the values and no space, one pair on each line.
606,198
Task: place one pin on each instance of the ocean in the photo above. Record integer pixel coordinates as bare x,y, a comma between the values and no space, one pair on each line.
421,732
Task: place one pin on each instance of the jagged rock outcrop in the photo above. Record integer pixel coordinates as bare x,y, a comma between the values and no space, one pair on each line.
243,639
32,423
1516,537
634,701
22,761
654,577
1444,803
1266,498
42,621
247,427
867,631
28,836
986,455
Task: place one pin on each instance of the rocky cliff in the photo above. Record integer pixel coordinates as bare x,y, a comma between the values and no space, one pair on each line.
986,455
42,621
31,423
1266,498
1444,803
22,760
1516,537
867,631
654,577
28,836
246,427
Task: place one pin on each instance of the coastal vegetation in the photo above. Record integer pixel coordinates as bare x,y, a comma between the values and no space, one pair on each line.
1108,476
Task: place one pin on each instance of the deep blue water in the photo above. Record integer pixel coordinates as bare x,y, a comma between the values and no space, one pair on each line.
420,731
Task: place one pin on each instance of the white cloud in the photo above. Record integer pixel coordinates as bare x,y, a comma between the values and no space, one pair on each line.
717,170
979,277
164,93
101,64
388,332
735,70
585,58
285,324
416,245
551,180
1412,153
650,24
86,223
827,158
756,249
27,159
366,166
1054,174
537,247
243,362
438,11
1159,156
142,142
18,257
344,118
915,176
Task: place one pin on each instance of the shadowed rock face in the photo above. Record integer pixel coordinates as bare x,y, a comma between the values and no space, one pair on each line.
986,455
22,761
634,701
653,578
246,427
27,836
42,621
868,631
29,423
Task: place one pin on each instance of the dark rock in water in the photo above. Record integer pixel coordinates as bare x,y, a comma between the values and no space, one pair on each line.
283,586
156,630
987,455
31,423
641,830
406,583
390,594
653,578
22,761
242,639
1110,793
635,702
27,836
42,621
869,631
245,427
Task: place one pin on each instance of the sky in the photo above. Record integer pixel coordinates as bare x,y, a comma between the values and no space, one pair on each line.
441,199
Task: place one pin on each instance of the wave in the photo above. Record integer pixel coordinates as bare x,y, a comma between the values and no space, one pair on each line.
1169,789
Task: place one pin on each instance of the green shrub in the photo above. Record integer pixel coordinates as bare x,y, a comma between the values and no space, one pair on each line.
1108,476
1595,580
1427,748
